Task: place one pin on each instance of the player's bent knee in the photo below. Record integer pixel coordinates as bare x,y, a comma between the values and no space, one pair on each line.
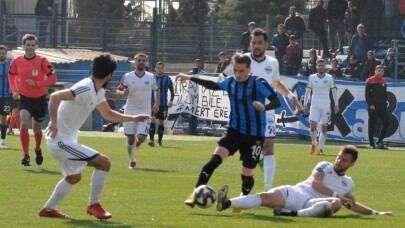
336,205
74,179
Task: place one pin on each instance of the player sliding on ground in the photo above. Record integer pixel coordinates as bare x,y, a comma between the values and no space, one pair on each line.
68,110
320,195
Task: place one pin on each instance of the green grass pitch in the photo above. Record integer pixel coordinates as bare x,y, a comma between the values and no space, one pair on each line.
153,194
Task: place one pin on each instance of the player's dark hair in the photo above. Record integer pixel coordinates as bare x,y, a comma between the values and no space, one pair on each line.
29,37
260,32
352,150
160,63
240,58
102,66
2,47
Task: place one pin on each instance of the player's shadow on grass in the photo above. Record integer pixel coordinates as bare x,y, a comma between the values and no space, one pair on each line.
95,223
155,170
43,171
254,216
10,150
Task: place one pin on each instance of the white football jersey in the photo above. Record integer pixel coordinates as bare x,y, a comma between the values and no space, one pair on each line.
320,89
267,68
343,185
72,114
140,87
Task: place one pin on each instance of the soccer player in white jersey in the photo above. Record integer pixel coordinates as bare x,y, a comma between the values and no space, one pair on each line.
317,96
136,86
68,110
320,195
266,67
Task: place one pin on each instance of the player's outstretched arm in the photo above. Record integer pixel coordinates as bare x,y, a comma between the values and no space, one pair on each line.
362,209
111,115
281,88
182,77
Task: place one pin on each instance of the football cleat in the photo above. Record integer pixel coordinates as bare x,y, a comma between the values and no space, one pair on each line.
313,148
223,201
320,152
372,147
381,146
284,212
132,165
98,211
38,156
137,144
3,144
55,213
190,201
160,144
10,133
26,160
151,143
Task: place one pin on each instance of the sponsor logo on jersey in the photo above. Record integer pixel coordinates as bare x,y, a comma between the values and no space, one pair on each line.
147,82
268,69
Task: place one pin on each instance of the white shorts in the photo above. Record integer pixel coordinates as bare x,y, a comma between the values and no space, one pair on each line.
320,114
132,128
294,198
72,157
270,125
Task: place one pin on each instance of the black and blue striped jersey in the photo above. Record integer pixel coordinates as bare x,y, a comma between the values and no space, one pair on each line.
243,116
4,85
165,84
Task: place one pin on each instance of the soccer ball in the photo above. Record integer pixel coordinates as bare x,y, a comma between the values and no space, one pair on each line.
204,196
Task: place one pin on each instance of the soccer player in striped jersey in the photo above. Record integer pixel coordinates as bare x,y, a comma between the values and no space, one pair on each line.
320,195
137,87
165,84
246,126
5,98
317,93
68,110
34,73
266,67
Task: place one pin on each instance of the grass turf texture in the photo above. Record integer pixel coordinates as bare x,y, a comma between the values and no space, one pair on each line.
153,194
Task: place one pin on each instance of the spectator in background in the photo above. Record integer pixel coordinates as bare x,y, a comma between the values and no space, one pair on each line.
376,98
197,67
11,32
401,73
316,23
335,15
353,70
335,70
43,12
391,12
295,25
223,62
280,42
293,57
311,64
352,19
389,64
375,19
360,44
245,39
370,64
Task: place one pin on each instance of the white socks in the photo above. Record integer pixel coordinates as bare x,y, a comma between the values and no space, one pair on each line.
269,165
320,209
131,152
313,136
62,188
97,185
322,140
246,202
